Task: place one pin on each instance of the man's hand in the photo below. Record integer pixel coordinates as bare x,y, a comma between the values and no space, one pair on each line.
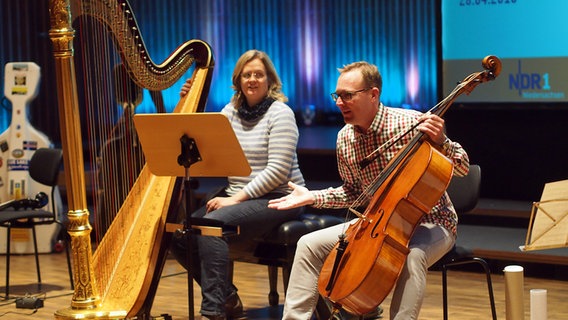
300,196
433,126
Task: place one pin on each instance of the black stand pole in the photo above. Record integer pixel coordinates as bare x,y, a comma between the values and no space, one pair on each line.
189,155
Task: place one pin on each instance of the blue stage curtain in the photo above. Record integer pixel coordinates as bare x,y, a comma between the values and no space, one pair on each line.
307,40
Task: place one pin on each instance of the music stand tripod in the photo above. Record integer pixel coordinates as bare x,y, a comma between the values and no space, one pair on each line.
219,155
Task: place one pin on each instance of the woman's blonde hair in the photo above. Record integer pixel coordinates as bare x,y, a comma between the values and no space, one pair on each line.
274,83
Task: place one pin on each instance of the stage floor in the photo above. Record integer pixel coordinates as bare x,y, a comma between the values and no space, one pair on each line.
467,292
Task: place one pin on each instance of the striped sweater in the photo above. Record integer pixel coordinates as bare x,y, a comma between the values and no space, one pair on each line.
269,143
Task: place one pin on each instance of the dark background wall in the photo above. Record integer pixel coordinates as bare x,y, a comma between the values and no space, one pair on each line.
519,147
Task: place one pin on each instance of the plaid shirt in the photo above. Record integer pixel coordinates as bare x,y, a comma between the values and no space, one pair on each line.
353,146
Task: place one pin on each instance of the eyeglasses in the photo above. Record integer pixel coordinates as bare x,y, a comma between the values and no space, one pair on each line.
257,75
347,95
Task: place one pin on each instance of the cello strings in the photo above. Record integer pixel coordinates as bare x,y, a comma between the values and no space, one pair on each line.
367,194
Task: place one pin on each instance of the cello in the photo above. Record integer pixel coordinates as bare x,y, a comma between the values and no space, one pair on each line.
367,261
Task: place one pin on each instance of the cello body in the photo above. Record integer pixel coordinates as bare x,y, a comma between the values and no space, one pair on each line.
378,243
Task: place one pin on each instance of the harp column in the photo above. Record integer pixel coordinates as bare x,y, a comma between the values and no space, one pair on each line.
85,298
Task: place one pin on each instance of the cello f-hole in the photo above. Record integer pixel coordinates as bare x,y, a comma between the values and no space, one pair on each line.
374,232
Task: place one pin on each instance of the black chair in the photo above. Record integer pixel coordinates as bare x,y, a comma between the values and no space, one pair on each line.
277,249
44,168
464,193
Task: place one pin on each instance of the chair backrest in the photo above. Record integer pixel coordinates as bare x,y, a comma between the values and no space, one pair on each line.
45,165
464,191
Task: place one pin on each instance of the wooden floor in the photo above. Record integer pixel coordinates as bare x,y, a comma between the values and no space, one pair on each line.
467,291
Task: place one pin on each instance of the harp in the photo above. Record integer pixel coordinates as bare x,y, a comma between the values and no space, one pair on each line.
119,279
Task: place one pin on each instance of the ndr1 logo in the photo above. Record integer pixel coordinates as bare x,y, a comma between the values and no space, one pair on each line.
531,85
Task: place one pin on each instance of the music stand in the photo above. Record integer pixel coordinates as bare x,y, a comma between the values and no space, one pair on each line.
548,227
208,145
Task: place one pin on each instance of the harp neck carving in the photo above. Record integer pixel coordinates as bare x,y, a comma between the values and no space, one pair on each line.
118,17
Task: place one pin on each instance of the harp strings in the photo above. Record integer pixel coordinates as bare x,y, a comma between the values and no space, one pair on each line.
115,158
110,101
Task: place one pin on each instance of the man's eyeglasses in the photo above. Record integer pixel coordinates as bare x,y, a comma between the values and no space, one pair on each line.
257,75
347,95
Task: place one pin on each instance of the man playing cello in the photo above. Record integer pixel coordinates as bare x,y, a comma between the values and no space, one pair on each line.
369,124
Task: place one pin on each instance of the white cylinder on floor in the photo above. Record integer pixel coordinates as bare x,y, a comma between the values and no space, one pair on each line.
538,304
514,287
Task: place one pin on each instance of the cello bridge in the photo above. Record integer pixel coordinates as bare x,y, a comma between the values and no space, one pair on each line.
360,215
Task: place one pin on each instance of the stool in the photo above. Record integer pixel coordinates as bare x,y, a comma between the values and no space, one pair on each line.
277,249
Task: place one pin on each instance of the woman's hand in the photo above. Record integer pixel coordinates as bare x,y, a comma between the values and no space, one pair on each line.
300,196
220,202
185,87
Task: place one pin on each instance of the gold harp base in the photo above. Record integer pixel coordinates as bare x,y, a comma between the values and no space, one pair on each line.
70,313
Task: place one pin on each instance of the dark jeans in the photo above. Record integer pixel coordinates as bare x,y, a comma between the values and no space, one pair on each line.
210,255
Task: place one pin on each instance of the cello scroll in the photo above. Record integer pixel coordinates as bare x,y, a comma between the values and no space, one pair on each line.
492,66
